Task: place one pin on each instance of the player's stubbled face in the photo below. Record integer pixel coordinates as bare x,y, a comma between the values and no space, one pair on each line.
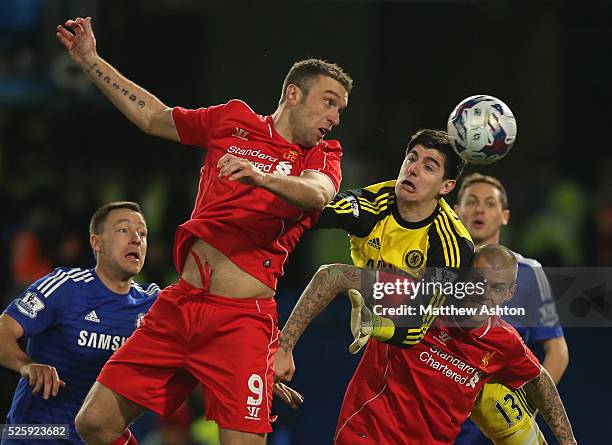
481,211
318,111
124,242
422,175
497,283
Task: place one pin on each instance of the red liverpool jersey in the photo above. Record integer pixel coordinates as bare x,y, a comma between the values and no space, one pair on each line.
422,395
254,228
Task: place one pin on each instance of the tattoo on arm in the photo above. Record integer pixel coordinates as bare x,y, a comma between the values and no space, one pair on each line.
329,281
107,79
542,392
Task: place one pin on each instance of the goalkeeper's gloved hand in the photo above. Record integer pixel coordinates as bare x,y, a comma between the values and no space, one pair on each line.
365,324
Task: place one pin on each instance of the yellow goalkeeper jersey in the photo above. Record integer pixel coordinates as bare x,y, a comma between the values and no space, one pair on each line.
381,238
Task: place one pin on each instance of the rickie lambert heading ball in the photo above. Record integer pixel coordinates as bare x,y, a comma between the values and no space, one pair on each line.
481,129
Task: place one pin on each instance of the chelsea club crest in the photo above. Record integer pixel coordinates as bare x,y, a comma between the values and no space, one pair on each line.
139,318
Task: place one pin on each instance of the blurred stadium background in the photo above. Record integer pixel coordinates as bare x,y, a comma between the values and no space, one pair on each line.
65,150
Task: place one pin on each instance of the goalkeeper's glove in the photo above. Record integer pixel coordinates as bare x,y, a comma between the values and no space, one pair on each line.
365,324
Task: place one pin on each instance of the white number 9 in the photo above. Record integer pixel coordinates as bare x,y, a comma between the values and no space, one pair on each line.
256,387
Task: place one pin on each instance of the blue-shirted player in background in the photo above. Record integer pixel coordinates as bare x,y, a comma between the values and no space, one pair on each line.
504,415
74,319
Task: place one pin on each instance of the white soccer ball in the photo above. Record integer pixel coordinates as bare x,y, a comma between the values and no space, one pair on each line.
481,129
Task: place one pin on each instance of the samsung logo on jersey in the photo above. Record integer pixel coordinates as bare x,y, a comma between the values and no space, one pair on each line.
100,341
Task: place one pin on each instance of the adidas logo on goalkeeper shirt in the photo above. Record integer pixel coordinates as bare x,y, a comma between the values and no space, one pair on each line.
92,316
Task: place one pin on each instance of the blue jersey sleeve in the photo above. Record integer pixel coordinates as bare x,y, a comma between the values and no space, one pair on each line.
535,295
36,308
544,333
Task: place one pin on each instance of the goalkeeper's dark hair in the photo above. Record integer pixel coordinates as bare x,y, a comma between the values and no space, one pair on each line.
438,140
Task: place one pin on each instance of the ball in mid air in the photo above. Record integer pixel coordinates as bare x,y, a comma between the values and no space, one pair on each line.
481,129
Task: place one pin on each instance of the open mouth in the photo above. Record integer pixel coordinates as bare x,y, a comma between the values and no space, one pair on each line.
323,131
478,302
133,256
478,223
481,300
409,185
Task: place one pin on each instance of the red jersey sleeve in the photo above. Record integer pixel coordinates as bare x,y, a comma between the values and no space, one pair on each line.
521,365
193,126
325,158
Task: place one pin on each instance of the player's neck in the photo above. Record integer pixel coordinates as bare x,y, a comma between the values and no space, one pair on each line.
493,239
413,211
280,120
116,284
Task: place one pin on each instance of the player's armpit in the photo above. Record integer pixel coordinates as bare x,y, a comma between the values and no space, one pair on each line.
161,124
542,393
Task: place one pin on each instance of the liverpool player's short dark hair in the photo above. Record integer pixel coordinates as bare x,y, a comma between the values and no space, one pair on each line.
438,140
302,74
96,224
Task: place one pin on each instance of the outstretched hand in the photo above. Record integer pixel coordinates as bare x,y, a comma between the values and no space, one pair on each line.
78,38
361,321
289,395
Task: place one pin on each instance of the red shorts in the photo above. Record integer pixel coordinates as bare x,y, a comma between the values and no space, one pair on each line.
189,336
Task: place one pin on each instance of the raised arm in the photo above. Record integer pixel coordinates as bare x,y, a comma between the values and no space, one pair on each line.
145,110
310,191
42,377
327,282
556,357
543,394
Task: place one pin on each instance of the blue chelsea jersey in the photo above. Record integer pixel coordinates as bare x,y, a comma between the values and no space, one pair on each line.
73,322
533,293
